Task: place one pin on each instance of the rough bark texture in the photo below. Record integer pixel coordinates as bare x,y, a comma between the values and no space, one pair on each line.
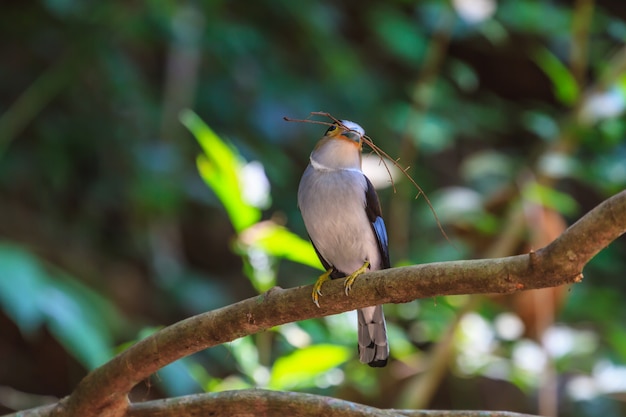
260,403
104,391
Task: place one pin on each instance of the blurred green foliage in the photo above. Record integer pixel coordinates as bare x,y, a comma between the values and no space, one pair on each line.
34,296
147,174
219,167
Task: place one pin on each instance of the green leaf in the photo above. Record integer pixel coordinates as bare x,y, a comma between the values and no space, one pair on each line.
563,82
264,243
616,337
279,242
22,284
85,339
230,383
621,84
246,354
302,368
432,134
183,376
551,198
80,319
401,35
219,167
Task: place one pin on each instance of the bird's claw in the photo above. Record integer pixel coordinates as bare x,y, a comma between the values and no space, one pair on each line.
316,295
317,287
350,279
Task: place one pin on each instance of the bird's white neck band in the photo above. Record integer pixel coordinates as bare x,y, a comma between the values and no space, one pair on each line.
321,167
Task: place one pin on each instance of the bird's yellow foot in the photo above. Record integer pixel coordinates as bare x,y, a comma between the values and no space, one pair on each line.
350,280
317,288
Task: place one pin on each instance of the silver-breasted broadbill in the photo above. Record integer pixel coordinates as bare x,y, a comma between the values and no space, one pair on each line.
343,218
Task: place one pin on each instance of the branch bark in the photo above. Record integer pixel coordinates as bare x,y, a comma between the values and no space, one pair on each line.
104,391
260,403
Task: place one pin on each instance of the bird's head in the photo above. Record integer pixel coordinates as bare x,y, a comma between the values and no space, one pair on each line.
340,148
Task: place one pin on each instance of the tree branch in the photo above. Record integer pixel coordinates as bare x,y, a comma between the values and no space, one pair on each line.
262,403
104,391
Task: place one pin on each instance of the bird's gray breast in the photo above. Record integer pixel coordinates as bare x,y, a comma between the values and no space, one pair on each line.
332,203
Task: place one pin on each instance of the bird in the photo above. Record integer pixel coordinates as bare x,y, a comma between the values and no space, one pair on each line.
343,218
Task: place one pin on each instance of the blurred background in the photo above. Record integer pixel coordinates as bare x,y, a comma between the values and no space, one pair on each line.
147,175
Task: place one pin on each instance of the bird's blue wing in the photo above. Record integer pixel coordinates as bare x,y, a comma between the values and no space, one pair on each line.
375,216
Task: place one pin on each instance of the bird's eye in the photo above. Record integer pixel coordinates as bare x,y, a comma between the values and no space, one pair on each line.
330,129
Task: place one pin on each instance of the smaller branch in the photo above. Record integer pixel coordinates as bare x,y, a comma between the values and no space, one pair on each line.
263,403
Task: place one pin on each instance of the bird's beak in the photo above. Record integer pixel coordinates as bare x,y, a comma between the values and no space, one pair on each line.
352,135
